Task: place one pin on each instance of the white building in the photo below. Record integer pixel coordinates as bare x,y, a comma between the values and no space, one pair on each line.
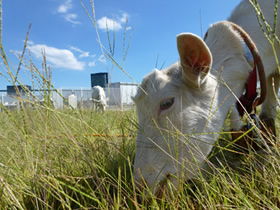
120,93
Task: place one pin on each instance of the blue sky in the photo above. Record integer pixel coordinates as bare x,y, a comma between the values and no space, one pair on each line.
65,32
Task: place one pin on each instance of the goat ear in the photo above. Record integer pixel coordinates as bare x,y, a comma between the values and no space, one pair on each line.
195,58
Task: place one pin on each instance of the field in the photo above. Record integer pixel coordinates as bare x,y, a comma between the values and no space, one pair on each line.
50,159
81,159
53,160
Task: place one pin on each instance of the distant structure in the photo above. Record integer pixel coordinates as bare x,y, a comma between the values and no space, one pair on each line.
11,89
120,93
100,79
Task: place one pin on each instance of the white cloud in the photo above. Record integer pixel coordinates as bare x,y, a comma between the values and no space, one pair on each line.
116,24
111,24
92,64
83,54
102,59
63,8
70,17
60,58
124,17
76,49
29,42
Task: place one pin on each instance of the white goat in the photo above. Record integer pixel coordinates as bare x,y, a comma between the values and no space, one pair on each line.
194,96
98,98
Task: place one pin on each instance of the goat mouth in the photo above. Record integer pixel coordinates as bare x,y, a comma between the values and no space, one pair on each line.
162,187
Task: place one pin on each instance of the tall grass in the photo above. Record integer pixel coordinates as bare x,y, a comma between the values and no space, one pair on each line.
50,159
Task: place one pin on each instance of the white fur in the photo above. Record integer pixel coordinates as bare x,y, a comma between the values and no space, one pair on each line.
205,85
98,98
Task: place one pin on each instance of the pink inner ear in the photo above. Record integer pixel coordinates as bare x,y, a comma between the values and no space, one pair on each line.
194,58
194,54
199,62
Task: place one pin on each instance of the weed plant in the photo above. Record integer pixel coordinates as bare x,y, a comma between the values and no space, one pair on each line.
56,159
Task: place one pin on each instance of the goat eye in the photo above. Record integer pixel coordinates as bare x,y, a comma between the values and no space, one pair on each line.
166,104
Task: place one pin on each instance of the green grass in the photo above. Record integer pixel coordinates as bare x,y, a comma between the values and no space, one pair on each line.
50,159
53,162
57,163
